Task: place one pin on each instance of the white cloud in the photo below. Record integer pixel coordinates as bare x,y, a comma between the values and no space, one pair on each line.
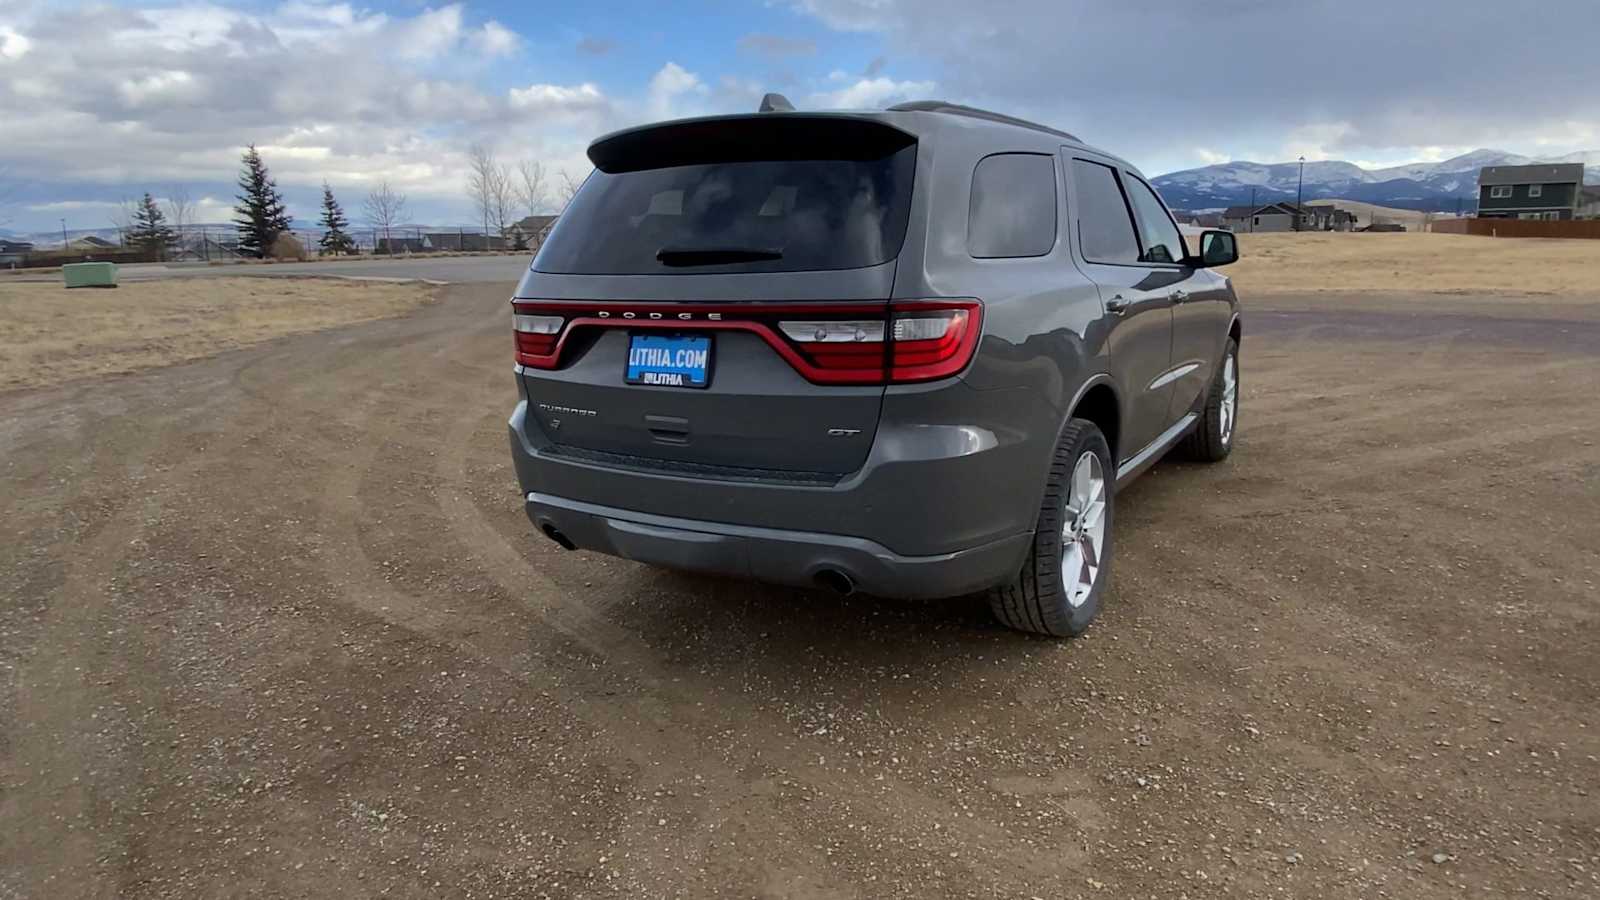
1053,62
1313,141
548,98
494,39
1210,157
13,44
670,83
429,35
871,93
135,99
66,206
852,15
169,86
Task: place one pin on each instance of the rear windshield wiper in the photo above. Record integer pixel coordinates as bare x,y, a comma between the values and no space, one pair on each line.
714,256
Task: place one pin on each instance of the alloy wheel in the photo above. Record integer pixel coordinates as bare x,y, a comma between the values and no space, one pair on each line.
1083,528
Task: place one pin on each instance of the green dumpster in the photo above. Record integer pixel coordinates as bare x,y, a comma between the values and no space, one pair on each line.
89,274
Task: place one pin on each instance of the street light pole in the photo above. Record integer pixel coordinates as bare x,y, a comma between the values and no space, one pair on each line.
1299,196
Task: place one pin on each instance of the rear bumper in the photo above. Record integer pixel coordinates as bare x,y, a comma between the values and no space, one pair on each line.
773,555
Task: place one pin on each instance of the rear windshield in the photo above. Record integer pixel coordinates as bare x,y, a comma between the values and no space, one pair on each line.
742,215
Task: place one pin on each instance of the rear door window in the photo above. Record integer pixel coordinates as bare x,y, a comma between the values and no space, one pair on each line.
739,215
1013,207
1163,243
1105,226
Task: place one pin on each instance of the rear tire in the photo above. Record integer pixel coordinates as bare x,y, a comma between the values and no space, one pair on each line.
1212,439
1059,588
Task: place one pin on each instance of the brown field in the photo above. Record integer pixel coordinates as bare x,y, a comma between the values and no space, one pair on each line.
274,622
49,334
1425,263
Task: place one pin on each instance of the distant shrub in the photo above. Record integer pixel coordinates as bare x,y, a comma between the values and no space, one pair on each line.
286,247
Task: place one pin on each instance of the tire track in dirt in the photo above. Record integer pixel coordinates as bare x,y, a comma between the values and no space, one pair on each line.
74,847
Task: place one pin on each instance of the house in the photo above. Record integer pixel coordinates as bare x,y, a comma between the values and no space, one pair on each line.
12,252
530,231
1542,191
1250,219
1327,217
89,244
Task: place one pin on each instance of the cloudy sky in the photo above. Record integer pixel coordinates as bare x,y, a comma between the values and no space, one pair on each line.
105,100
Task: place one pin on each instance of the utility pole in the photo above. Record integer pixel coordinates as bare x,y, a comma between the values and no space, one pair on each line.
63,234
1253,210
1299,195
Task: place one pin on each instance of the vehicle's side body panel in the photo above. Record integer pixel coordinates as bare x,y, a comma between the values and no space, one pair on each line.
1138,319
1042,333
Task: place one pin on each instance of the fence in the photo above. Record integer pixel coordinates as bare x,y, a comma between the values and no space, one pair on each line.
49,258
1532,228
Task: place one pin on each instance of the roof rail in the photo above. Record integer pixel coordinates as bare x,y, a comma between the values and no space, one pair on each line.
956,109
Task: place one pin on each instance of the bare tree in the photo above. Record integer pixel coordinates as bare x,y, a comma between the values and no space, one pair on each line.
491,188
531,190
384,209
122,217
180,211
567,188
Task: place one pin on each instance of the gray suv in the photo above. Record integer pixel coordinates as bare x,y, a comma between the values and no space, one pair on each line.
912,352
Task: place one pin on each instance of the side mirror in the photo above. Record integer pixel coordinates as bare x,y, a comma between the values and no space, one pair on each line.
1217,248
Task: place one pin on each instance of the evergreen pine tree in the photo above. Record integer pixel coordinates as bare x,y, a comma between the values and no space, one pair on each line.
261,214
334,238
150,232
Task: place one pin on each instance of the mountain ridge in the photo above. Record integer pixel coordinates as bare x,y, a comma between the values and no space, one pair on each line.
1429,186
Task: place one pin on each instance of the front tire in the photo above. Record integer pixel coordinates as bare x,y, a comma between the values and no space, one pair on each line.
1212,438
1059,588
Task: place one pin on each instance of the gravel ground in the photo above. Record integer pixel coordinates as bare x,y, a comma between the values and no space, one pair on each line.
273,624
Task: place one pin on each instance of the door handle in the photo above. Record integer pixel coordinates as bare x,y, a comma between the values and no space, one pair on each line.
1118,305
1180,296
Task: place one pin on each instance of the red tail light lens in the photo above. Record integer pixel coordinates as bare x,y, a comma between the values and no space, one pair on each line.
828,343
537,338
932,343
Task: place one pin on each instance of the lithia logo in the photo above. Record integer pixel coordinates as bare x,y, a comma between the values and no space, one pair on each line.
683,316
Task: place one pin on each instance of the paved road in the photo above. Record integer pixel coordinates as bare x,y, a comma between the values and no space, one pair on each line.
454,269
274,623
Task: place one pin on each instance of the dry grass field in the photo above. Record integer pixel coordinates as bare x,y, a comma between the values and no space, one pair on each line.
1426,263
276,619
49,334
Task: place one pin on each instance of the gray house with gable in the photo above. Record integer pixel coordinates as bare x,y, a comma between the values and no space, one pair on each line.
1545,191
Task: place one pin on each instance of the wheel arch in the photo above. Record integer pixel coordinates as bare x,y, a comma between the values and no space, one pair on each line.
1097,400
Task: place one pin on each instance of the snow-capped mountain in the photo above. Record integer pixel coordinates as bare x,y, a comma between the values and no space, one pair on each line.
1425,186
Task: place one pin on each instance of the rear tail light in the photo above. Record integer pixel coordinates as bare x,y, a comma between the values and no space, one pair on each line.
828,343
537,339
927,340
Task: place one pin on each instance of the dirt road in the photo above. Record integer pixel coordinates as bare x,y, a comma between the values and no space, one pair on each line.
273,624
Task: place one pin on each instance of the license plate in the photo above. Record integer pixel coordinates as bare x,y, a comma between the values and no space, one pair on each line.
671,360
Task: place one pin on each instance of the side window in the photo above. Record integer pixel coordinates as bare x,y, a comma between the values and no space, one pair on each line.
1013,209
1105,227
1163,243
